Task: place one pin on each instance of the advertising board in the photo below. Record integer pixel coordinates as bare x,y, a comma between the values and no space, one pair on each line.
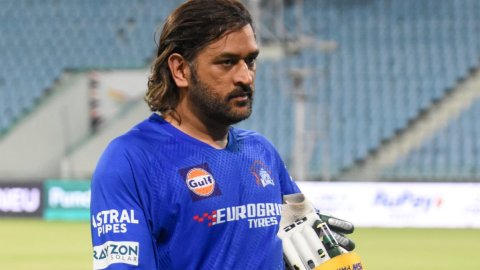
21,199
373,204
67,199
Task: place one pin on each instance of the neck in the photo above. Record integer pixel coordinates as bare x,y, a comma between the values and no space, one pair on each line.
215,135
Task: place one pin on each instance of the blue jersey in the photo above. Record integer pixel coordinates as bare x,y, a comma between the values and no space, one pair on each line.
164,200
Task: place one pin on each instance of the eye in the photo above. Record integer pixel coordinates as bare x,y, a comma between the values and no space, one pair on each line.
228,62
250,61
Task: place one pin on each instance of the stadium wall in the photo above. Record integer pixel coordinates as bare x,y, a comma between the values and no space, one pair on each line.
35,145
122,93
56,139
81,162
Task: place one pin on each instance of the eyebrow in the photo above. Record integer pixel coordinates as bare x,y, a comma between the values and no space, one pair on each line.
234,55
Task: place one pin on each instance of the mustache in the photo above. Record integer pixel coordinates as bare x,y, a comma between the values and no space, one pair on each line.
240,91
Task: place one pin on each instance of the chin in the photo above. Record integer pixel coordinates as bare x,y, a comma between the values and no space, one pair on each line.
237,116
241,117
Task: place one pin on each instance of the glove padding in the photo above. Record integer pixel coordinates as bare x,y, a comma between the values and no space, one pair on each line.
306,235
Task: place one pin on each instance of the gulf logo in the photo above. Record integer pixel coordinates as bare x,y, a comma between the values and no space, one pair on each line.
200,182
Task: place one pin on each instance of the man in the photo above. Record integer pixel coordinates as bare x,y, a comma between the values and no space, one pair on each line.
184,189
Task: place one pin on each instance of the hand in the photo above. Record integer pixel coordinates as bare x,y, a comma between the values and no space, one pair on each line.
309,238
339,228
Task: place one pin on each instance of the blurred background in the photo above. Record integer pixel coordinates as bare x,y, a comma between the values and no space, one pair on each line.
373,104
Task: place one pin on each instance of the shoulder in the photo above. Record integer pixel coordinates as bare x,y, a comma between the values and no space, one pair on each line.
128,158
139,144
146,135
251,137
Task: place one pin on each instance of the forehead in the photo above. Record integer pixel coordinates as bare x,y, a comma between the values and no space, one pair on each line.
240,42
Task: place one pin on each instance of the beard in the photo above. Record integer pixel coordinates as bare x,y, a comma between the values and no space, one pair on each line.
221,109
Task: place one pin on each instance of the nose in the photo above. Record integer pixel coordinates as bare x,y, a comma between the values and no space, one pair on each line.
244,74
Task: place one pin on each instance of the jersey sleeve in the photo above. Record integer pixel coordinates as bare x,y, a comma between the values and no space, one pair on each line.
288,183
121,236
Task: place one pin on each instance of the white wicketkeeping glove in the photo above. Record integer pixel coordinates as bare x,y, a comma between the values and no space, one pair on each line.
306,235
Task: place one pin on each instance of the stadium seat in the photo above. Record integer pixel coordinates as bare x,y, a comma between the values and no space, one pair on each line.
393,59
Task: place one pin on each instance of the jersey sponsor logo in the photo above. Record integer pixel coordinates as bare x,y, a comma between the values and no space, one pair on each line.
263,176
113,221
257,215
111,252
200,182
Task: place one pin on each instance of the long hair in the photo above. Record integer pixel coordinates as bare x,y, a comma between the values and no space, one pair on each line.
190,28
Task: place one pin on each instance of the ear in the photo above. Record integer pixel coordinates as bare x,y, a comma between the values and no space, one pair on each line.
179,69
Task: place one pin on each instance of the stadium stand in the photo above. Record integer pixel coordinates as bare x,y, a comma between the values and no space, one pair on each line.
390,62
452,154
41,39
394,60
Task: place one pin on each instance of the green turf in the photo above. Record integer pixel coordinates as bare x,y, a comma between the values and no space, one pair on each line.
41,245
418,249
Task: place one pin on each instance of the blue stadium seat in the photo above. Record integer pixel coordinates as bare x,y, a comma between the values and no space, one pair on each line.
452,154
393,60
43,38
